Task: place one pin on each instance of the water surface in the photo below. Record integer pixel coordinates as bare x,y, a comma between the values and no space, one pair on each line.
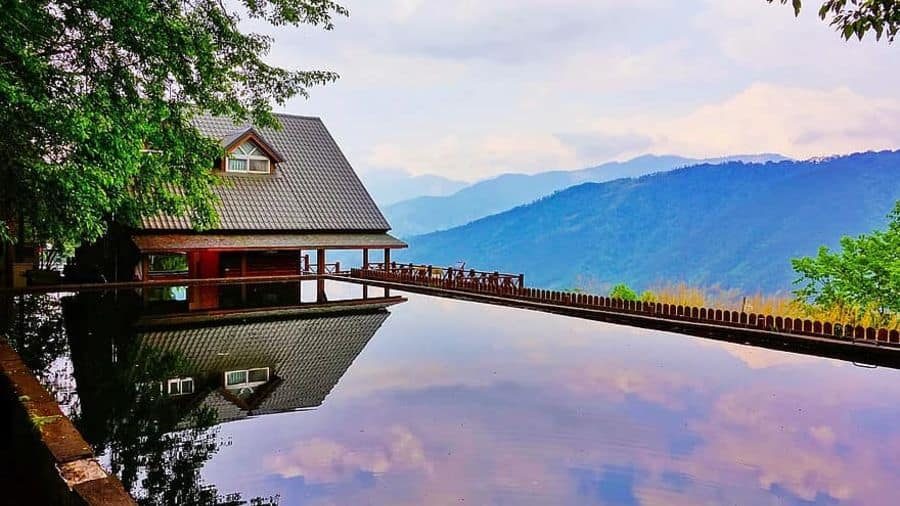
438,401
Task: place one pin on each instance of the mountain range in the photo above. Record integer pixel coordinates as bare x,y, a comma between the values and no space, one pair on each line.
736,225
438,212
391,186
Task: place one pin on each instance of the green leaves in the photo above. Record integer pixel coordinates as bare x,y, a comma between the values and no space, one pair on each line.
89,85
862,280
859,17
623,291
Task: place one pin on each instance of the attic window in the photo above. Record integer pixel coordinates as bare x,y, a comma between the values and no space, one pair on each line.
248,158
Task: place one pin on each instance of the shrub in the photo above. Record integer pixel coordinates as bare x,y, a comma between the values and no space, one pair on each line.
649,296
623,291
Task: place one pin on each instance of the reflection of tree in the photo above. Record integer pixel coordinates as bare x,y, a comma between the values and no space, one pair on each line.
34,327
157,444
155,441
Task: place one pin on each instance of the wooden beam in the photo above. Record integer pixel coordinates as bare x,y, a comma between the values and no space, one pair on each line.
145,267
320,281
387,259
365,262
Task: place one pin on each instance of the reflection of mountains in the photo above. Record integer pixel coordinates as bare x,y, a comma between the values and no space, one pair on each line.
303,359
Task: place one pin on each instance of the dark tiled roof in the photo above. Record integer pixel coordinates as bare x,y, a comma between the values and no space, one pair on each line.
314,189
309,355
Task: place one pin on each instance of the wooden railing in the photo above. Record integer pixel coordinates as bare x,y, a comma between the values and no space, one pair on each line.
449,277
721,317
334,268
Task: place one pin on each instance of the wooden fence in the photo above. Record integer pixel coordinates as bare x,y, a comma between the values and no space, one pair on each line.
721,317
449,277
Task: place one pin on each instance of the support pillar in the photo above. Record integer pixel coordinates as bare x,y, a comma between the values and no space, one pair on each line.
365,262
320,280
145,267
387,259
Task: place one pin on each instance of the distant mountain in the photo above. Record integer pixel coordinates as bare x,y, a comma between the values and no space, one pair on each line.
390,186
428,214
736,225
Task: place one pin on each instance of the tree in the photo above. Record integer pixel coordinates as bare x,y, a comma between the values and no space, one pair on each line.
859,17
98,96
623,291
861,280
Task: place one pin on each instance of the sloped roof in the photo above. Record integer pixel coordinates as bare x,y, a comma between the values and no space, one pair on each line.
313,189
310,355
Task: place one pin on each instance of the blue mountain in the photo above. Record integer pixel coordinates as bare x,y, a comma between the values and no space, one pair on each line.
430,213
735,224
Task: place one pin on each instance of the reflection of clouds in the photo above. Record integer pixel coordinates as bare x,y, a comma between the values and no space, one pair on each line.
459,402
762,358
801,444
614,383
320,460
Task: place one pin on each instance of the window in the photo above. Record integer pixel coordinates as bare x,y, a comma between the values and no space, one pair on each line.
168,263
180,386
167,293
246,378
248,158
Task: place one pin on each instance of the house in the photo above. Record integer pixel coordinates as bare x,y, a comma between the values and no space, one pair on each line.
256,367
288,193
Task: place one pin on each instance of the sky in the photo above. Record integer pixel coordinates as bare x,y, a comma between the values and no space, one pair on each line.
468,89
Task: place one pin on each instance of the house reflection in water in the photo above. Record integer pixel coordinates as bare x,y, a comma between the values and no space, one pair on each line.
259,367
262,348
155,375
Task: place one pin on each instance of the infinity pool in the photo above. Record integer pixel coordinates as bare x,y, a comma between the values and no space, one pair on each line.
400,398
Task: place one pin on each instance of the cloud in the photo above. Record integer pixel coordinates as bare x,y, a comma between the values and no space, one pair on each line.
797,122
472,89
605,146
472,157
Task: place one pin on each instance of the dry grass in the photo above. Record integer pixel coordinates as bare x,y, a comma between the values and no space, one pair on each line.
776,305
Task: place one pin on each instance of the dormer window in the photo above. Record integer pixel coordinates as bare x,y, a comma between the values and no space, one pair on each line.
249,158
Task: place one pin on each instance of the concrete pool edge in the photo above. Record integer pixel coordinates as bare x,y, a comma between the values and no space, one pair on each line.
851,351
50,452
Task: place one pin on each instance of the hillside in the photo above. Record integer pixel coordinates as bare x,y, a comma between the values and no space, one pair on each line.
428,214
734,224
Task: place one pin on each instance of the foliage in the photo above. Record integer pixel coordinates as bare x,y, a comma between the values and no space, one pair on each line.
649,296
859,17
776,305
34,327
174,262
863,278
98,98
623,291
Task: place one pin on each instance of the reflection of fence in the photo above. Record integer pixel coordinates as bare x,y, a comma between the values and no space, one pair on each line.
503,286
334,268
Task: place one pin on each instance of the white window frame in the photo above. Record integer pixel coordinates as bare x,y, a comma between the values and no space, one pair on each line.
180,382
248,151
247,383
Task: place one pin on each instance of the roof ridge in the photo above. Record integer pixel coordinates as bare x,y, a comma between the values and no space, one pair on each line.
300,116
